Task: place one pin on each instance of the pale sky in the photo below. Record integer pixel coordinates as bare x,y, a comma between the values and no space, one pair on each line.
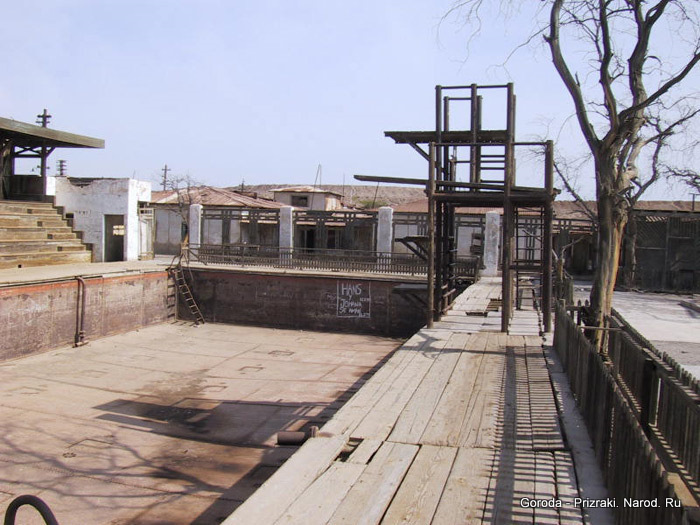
262,91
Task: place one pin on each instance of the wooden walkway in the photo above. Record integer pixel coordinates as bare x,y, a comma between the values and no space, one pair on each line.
456,427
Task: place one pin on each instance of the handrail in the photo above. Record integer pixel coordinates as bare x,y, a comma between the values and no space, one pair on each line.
323,259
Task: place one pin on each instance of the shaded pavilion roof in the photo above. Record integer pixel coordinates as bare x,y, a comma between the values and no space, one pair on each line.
30,136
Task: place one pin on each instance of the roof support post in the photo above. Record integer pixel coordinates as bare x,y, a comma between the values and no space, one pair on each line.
431,237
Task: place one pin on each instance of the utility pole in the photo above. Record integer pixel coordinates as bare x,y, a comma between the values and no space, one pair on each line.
165,171
43,119
62,167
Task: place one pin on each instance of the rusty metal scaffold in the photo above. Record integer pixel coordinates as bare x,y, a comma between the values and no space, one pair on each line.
490,157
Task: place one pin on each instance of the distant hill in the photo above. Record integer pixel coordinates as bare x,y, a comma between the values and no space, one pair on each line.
359,196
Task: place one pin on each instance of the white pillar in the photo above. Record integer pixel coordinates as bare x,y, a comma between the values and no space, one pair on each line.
286,228
385,230
195,224
492,231
286,235
234,234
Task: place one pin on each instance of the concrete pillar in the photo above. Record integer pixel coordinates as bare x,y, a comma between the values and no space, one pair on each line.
286,235
234,233
286,228
195,224
492,235
385,230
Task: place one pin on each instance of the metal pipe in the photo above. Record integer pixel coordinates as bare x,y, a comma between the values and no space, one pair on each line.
80,312
27,499
290,438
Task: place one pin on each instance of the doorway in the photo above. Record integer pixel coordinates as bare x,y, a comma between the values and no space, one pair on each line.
114,238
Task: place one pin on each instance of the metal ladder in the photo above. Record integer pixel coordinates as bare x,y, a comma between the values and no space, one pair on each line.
184,290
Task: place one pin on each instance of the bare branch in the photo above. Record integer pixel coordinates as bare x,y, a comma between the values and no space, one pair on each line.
577,197
606,58
572,85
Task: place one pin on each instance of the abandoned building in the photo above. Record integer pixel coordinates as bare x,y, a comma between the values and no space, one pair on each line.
308,197
230,218
292,360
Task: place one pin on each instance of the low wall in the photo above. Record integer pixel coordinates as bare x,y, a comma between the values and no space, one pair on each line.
304,301
37,317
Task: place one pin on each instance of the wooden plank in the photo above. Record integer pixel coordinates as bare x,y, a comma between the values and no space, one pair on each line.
545,488
464,497
452,408
364,451
463,324
350,414
567,488
270,501
414,418
370,496
418,496
523,427
546,429
322,498
380,420
481,425
513,478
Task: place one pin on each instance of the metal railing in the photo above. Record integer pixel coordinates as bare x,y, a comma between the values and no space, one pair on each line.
322,259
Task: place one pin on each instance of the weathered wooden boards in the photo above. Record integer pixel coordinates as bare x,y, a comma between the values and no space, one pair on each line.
475,301
458,426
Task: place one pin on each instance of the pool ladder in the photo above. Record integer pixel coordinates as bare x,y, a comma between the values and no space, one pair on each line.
184,290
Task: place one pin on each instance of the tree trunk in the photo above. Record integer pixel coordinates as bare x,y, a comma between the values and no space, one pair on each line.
612,219
630,268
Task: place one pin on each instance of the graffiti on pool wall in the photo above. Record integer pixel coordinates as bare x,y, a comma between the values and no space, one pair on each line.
354,299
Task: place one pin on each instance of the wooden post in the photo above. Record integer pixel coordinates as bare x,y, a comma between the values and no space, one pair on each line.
647,400
547,241
431,237
508,217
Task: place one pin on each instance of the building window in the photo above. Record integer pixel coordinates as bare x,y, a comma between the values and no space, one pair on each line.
301,201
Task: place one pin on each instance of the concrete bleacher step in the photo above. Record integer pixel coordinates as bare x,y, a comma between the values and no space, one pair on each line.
65,235
22,260
33,208
12,233
36,234
30,221
41,245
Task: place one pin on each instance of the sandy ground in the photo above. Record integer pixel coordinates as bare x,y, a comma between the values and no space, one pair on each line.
169,424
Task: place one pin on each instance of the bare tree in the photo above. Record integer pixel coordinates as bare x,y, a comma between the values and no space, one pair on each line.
185,191
625,89
690,177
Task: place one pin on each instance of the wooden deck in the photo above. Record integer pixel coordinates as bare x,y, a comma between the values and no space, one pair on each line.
456,427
